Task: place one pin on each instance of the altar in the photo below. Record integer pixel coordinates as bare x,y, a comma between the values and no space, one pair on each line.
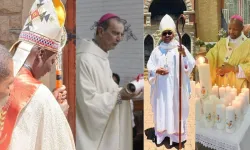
220,140
222,113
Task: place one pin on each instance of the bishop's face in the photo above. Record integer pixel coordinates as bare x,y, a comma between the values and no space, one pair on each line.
234,29
167,36
113,35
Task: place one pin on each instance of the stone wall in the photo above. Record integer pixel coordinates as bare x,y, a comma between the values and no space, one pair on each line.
10,21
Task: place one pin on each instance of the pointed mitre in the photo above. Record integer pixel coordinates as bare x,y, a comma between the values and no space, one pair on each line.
167,23
44,27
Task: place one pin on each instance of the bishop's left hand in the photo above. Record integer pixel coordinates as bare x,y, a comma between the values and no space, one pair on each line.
225,68
182,51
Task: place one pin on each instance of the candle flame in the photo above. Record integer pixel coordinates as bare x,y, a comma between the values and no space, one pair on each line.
201,60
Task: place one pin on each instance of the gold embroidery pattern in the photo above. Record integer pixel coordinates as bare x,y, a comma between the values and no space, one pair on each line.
3,113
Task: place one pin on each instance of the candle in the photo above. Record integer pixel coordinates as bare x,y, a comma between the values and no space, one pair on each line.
215,90
243,97
246,92
204,75
198,89
220,116
234,91
208,111
228,89
224,101
241,101
230,119
236,106
222,91
197,109
215,100
192,84
231,97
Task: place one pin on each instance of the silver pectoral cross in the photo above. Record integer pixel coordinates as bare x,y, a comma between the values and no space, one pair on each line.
166,63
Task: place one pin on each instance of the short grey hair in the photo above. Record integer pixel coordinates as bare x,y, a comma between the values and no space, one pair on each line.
5,58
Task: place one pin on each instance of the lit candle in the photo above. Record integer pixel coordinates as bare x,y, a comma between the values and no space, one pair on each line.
198,89
241,102
204,75
215,100
230,119
231,97
246,92
208,111
228,89
234,91
220,116
222,91
243,97
236,106
197,109
224,101
215,90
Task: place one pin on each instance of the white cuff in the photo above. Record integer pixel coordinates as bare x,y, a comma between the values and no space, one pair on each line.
241,73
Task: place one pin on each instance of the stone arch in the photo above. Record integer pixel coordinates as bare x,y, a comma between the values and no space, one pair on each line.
147,4
186,41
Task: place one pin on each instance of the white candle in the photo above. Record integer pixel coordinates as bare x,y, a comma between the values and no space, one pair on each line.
198,89
246,92
237,110
230,119
241,101
197,109
228,89
215,100
208,111
224,101
215,90
192,84
231,97
243,97
220,116
222,91
234,91
204,75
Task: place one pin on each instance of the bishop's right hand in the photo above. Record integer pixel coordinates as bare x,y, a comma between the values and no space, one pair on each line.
162,71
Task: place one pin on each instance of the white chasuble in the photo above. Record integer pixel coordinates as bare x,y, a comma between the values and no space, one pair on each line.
42,125
102,123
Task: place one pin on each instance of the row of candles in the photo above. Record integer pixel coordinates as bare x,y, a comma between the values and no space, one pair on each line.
223,107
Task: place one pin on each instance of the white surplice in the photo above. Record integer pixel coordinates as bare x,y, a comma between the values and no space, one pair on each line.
42,125
101,123
165,90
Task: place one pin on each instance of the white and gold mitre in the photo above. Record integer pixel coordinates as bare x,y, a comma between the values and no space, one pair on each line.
167,23
44,27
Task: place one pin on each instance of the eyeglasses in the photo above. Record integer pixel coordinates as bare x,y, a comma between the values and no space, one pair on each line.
167,33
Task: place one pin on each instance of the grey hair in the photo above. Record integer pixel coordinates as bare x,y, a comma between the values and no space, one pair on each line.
5,58
105,24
